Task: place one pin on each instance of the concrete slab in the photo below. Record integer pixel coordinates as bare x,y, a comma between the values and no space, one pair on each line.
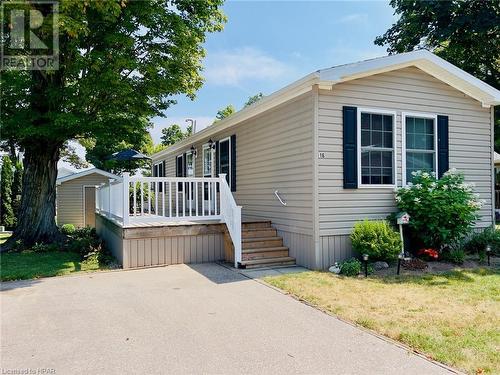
199,319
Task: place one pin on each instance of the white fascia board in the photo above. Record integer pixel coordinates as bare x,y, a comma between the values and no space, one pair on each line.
422,59
86,172
289,92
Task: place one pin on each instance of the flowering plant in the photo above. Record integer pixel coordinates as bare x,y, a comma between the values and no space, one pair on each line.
428,253
441,210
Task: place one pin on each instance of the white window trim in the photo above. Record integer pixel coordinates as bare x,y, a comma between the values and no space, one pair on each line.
230,161
158,164
432,116
394,147
206,146
194,162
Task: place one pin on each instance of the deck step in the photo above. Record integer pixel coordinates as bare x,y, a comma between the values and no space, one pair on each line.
258,232
268,262
261,242
255,224
262,253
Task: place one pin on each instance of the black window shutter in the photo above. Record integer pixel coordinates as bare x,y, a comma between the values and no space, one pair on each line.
233,162
184,165
350,147
443,145
163,173
217,166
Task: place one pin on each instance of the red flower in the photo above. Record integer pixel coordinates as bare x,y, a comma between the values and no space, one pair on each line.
430,253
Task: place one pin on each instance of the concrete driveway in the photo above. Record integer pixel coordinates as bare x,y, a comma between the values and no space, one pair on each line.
186,320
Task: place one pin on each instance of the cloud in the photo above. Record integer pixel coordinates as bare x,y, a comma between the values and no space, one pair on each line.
232,67
160,122
353,18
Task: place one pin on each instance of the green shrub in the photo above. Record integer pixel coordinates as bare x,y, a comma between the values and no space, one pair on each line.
351,267
454,254
6,179
477,242
44,247
442,211
68,229
377,239
84,241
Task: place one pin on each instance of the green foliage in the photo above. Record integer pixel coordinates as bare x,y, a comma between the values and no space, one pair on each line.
476,243
68,229
254,99
454,254
377,239
463,32
44,247
224,112
442,211
350,267
84,241
7,179
174,134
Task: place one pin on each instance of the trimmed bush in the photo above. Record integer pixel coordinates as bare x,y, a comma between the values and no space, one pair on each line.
6,179
351,267
377,239
68,229
442,211
477,242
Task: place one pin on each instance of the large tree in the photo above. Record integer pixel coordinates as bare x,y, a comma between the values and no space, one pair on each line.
174,134
120,61
464,32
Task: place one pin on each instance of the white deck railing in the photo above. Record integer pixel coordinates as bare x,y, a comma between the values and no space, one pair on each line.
134,200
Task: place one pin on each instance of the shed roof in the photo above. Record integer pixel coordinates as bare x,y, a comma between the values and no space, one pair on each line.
86,172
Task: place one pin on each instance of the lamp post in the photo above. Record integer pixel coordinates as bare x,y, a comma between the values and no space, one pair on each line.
365,260
488,254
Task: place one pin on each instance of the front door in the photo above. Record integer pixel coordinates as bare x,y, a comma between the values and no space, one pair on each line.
89,206
208,169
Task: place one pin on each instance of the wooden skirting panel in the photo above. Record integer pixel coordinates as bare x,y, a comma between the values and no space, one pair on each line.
334,249
165,245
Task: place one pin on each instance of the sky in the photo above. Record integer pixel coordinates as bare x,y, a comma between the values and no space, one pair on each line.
266,45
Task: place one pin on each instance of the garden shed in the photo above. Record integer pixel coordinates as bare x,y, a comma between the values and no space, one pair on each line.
76,196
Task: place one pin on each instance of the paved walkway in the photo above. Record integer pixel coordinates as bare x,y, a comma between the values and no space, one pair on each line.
202,319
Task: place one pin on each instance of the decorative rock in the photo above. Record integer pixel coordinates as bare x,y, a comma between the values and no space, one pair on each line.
335,268
380,265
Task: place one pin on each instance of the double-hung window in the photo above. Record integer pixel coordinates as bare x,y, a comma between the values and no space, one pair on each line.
419,144
376,148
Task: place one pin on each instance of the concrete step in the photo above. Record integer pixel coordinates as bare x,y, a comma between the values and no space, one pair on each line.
258,232
268,262
255,224
269,252
261,242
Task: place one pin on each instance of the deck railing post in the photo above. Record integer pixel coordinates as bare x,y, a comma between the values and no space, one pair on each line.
110,212
126,200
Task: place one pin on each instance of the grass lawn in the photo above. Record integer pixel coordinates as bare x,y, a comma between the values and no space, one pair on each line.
32,265
453,318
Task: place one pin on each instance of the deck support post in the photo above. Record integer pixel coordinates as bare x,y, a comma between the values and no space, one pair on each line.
126,201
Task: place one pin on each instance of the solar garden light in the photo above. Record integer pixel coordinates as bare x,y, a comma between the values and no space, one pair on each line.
401,256
365,260
488,254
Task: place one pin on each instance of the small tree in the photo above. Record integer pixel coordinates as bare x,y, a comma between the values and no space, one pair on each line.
174,134
224,112
7,178
441,211
254,99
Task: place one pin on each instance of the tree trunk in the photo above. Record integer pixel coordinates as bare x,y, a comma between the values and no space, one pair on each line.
36,215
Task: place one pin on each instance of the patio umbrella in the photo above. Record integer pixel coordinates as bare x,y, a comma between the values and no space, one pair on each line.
128,155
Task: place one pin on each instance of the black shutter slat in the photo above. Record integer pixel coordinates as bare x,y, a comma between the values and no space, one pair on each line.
233,162
217,161
184,165
350,147
443,145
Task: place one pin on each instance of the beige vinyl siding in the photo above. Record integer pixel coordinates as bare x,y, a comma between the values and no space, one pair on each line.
70,198
405,90
273,152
